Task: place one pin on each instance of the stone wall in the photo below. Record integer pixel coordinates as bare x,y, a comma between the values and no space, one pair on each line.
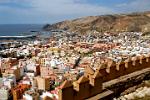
91,83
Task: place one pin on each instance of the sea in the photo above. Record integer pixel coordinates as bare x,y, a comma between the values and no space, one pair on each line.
19,29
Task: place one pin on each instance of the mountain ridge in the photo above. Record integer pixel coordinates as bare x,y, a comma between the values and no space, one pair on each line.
138,21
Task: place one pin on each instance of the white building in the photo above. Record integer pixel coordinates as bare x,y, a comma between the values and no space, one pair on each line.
4,93
46,94
31,95
9,80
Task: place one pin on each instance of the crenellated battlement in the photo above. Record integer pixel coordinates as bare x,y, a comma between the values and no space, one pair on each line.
90,83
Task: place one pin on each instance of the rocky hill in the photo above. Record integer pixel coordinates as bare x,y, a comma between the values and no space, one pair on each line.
106,23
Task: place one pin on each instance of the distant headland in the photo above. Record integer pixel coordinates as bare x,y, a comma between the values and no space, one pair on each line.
138,21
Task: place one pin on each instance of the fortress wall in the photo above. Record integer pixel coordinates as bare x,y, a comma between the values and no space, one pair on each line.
81,89
67,91
112,71
90,84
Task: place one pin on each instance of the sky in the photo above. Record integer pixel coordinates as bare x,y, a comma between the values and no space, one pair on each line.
51,11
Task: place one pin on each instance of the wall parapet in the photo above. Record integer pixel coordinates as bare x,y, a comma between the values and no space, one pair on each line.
90,84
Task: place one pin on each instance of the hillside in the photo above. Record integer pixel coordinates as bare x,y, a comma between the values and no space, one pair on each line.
106,23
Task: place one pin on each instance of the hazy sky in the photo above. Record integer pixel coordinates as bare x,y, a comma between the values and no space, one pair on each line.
50,11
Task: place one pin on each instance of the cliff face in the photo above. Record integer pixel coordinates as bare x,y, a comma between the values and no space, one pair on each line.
106,23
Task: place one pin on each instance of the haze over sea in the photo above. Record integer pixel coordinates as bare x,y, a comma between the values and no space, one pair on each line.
18,29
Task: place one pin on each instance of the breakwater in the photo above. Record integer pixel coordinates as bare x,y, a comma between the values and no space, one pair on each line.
18,37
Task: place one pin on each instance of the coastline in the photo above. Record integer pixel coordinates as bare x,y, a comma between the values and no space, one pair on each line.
19,29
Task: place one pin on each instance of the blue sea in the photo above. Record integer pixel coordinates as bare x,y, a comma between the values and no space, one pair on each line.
18,29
